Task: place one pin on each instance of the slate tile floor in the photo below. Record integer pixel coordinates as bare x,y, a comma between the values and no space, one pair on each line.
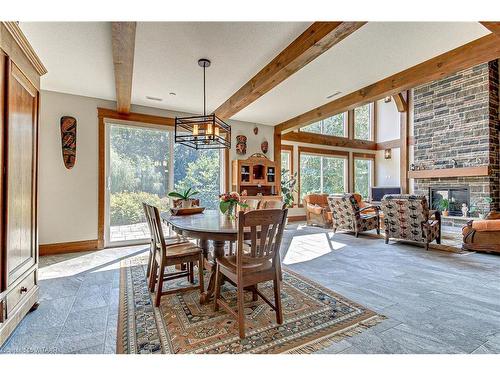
435,301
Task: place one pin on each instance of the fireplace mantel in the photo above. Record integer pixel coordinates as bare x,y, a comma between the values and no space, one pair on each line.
450,172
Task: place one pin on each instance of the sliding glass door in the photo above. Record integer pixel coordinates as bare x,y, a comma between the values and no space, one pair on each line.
138,171
143,164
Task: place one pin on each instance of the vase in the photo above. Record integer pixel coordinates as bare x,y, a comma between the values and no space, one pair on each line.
231,212
187,203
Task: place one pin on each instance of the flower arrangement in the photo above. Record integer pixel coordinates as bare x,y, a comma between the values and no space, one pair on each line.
228,203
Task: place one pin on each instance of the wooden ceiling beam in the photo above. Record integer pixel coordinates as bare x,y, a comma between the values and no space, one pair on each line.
317,39
476,52
328,140
123,42
400,102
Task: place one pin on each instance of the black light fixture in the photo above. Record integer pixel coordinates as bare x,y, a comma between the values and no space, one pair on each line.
203,132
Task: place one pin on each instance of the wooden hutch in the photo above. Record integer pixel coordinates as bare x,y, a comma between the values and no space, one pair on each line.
257,177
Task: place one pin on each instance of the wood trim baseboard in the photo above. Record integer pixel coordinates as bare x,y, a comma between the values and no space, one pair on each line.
68,247
292,219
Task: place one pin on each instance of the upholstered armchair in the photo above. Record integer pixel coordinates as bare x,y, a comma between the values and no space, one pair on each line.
347,215
483,235
407,217
317,210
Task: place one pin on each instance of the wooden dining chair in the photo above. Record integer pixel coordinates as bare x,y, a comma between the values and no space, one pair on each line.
171,254
171,240
255,262
273,204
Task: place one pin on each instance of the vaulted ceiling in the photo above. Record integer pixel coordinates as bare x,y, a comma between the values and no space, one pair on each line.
78,56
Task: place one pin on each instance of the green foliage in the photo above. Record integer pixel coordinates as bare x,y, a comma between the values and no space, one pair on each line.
321,174
126,208
362,177
288,186
184,195
362,121
444,204
334,125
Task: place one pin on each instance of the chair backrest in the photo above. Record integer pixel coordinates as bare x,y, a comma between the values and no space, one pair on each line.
344,206
316,199
148,220
404,215
273,204
154,223
266,232
253,204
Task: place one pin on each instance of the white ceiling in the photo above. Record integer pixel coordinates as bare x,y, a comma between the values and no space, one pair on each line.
78,58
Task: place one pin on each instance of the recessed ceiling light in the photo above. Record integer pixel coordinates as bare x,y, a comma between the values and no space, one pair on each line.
154,98
332,95
172,93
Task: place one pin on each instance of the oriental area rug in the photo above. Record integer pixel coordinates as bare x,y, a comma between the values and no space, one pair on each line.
314,317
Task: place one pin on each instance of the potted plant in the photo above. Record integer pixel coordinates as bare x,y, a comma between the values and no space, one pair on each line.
229,202
288,187
444,205
185,197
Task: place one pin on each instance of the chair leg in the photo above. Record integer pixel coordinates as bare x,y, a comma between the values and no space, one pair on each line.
152,275
356,234
255,296
218,283
386,238
277,299
201,279
191,272
438,240
427,246
150,262
241,312
160,283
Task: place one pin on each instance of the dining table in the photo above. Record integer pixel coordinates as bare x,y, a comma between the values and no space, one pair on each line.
208,226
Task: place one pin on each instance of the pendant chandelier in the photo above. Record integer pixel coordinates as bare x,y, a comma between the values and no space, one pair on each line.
203,132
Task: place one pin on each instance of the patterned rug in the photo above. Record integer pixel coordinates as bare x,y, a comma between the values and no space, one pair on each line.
314,317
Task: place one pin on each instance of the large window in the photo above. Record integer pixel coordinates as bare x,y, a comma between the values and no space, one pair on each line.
322,173
200,170
363,175
141,169
363,122
335,125
286,161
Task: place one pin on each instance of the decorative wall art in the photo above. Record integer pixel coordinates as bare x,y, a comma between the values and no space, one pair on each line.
241,144
68,140
256,130
264,146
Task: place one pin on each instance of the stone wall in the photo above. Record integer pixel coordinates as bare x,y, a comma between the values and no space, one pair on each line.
456,125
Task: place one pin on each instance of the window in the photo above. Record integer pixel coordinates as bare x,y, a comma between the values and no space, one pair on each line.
286,161
363,122
335,125
363,176
322,174
199,169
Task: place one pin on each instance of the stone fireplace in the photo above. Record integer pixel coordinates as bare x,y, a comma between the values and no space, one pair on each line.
456,139
456,196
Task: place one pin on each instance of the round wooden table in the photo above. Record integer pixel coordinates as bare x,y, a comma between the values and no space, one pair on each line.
211,225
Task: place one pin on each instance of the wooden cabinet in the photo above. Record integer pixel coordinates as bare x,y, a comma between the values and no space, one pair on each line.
255,175
20,72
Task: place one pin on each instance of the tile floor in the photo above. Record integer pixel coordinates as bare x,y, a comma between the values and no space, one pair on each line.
435,301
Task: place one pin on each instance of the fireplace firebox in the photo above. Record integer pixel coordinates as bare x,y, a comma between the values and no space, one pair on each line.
456,197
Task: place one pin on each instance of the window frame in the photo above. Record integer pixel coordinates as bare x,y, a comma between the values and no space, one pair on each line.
325,153
363,156
372,108
346,126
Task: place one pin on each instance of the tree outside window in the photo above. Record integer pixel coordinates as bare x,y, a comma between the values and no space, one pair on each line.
363,177
362,122
321,174
334,125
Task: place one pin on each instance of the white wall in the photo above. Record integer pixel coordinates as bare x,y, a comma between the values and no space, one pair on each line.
388,128
68,198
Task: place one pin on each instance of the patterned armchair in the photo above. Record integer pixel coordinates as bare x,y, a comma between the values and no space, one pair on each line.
347,215
407,217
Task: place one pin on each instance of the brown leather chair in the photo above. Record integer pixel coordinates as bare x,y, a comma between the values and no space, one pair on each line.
482,235
349,216
317,210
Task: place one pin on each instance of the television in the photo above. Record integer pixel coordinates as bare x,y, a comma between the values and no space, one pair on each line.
379,191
